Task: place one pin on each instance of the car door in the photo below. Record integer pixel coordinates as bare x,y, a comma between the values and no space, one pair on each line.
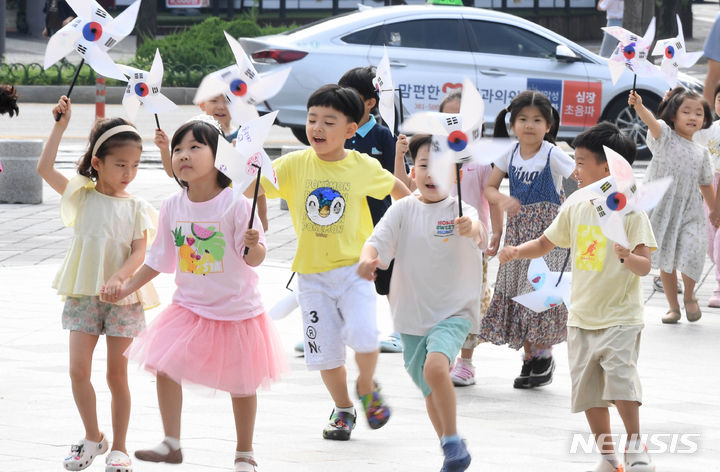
429,57
511,58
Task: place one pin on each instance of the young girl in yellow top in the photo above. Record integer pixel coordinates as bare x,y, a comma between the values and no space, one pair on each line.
112,229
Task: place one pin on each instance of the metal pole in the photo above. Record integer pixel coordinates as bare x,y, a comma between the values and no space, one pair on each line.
99,98
3,14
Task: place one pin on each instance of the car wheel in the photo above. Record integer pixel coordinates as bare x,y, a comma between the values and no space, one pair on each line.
620,113
299,133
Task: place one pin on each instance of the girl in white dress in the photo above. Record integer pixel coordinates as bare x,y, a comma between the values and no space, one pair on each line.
678,220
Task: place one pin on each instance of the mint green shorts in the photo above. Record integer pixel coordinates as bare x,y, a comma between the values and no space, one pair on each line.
446,337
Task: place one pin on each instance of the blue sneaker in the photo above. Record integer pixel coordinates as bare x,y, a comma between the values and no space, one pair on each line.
457,457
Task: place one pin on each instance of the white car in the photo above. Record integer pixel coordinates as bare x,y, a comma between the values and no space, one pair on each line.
433,48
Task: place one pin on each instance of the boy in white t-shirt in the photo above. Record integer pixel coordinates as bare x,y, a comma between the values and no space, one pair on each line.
434,289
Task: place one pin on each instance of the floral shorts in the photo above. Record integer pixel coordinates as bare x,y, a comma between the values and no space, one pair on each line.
92,316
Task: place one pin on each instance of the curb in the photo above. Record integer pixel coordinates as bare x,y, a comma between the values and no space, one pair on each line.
86,94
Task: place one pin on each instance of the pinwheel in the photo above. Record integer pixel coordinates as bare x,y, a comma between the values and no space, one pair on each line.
617,195
674,55
247,160
457,138
384,86
631,53
241,85
92,33
144,89
550,288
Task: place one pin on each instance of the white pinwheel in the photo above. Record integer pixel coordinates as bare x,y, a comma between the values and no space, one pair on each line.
550,288
242,162
143,88
241,85
384,85
631,52
675,55
457,138
617,195
92,33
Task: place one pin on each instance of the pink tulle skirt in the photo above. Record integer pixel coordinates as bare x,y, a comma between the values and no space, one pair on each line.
232,356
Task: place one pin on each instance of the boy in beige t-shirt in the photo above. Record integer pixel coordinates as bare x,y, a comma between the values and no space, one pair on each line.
605,317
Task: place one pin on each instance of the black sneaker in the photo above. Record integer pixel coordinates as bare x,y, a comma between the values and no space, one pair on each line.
340,426
523,380
542,371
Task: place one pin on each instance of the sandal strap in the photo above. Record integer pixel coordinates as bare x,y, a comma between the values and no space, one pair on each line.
246,459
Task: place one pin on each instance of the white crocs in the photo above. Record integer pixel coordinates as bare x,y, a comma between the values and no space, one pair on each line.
83,453
118,461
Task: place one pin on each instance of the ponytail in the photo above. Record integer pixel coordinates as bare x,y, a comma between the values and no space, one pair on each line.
500,127
552,134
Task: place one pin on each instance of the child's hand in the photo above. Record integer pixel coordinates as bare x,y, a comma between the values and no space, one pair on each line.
621,252
634,99
251,238
714,218
494,245
510,205
161,140
464,226
507,254
367,267
112,290
401,146
63,106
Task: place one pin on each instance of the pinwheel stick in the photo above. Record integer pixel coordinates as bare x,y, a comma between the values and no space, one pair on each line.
254,203
562,271
157,122
634,84
400,105
72,84
457,177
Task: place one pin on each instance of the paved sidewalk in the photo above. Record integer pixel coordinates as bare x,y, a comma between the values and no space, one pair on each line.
507,430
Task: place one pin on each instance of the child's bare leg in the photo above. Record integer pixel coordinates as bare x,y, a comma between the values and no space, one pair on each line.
244,409
437,376
599,421
669,283
366,362
170,399
689,292
434,416
336,383
630,413
118,383
467,353
82,346
529,349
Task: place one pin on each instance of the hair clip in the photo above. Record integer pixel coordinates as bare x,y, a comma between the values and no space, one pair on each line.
207,119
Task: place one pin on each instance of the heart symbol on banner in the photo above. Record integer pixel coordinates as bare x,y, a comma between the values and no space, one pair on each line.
449,85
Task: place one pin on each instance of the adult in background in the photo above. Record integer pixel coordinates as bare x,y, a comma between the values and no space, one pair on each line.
712,52
614,14
57,14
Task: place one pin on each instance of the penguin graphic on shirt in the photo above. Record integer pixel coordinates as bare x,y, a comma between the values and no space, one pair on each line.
325,206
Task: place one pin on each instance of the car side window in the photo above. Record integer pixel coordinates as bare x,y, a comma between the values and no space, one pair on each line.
366,36
442,33
509,40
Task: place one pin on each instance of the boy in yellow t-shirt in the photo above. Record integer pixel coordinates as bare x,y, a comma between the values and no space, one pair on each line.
326,187
605,316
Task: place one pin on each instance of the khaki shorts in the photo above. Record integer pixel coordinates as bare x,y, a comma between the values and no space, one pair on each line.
92,316
603,366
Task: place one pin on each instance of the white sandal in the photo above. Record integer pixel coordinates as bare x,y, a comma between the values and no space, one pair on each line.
245,464
118,461
84,452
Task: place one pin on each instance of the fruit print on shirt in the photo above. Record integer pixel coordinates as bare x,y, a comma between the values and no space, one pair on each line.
201,247
591,247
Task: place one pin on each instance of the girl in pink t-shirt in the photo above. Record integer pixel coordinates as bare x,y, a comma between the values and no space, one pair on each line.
215,332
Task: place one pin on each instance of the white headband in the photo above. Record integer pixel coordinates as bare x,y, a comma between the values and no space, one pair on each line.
205,118
110,133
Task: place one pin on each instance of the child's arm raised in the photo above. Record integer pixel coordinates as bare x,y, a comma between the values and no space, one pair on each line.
637,261
646,115
163,143
256,252
401,147
505,203
46,165
137,255
529,250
